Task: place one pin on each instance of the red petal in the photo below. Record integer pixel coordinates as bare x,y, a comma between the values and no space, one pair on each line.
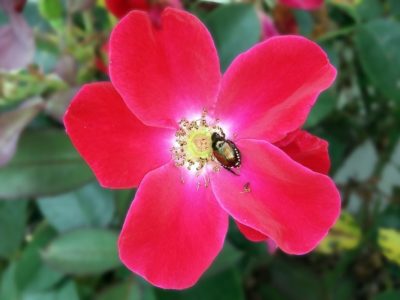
117,146
287,202
164,74
173,231
303,4
307,149
269,90
250,233
121,7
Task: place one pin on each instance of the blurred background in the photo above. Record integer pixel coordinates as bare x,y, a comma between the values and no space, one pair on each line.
58,228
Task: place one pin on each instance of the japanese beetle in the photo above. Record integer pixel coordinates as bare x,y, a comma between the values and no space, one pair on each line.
226,152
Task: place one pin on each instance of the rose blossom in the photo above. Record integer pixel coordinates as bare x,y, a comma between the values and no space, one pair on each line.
154,126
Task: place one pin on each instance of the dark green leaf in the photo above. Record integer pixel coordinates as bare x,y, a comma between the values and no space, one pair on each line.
45,163
293,280
123,199
369,9
323,107
66,292
225,259
377,44
304,21
32,275
394,6
388,295
13,217
130,290
83,251
222,286
390,176
8,288
235,29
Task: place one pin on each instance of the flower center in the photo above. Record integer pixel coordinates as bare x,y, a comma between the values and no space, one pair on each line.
193,146
199,144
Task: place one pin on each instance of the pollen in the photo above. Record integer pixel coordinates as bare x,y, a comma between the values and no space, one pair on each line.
192,147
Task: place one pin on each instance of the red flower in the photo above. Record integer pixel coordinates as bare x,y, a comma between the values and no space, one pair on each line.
120,8
146,129
303,4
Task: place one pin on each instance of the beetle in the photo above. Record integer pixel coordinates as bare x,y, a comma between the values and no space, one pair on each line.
226,152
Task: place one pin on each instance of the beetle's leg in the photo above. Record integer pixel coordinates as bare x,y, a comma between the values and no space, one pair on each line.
230,170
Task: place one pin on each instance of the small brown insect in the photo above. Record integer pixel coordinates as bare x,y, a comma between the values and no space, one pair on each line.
246,188
226,152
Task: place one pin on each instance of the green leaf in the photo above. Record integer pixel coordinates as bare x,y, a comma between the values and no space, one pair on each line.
390,176
377,43
123,199
225,259
90,206
66,292
31,274
394,7
369,9
28,276
389,218
387,295
45,163
349,3
304,21
348,6
8,288
50,9
13,217
222,286
323,107
83,251
235,29
360,164
292,280
130,290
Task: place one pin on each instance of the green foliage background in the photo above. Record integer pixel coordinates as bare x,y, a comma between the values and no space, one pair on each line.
58,228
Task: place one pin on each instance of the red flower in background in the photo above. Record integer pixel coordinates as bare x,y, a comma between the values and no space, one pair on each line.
148,128
120,8
283,20
303,4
